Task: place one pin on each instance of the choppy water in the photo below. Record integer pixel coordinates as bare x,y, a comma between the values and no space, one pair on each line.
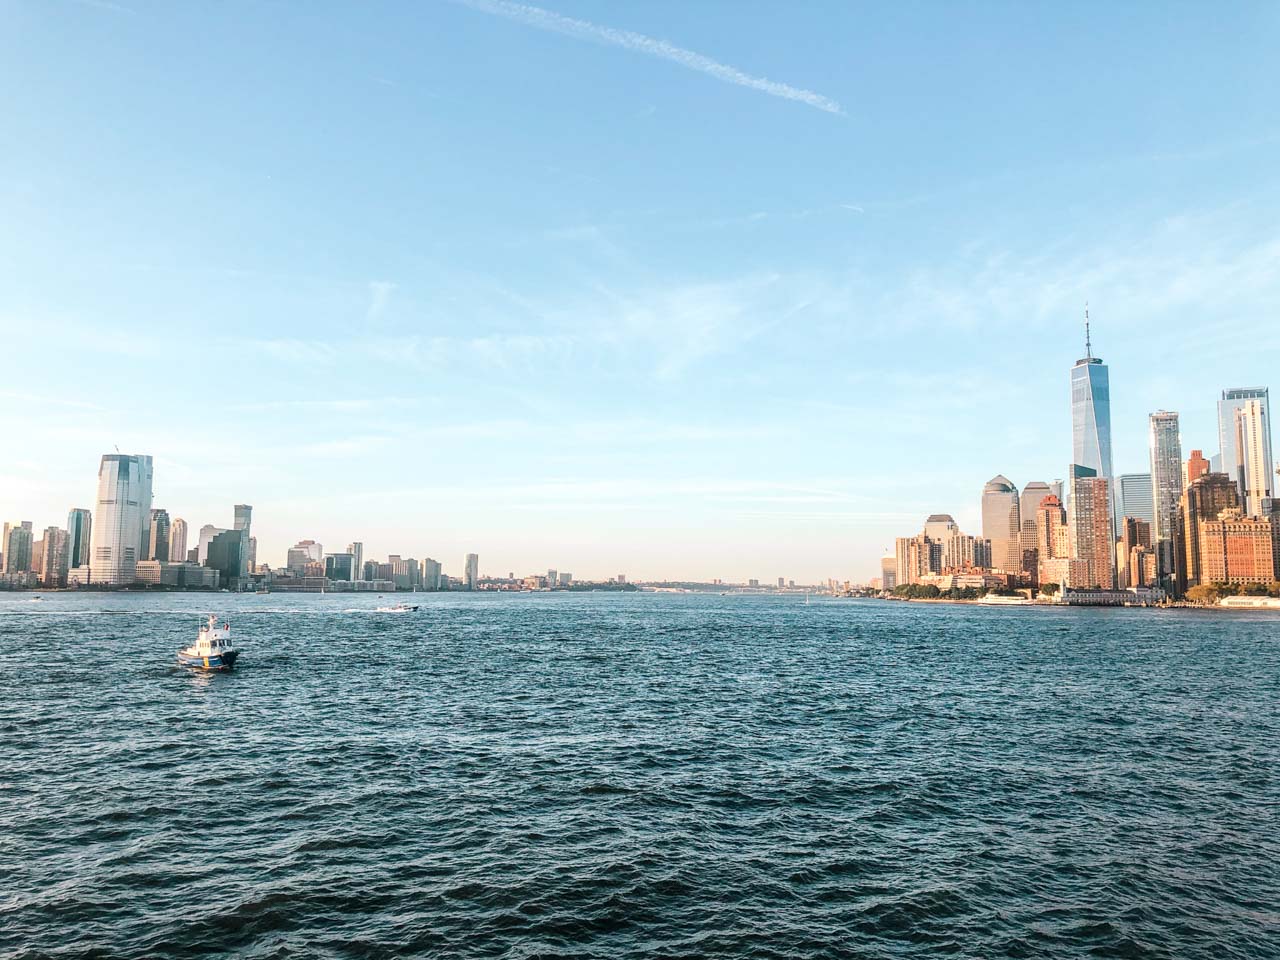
615,776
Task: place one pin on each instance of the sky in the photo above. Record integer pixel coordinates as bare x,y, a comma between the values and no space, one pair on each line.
673,290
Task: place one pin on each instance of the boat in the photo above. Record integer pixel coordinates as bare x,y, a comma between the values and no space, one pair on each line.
400,608
212,649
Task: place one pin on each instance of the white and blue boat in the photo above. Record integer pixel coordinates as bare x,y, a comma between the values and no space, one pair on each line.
212,649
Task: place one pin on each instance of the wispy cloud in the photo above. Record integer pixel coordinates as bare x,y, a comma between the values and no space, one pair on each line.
379,296
650,46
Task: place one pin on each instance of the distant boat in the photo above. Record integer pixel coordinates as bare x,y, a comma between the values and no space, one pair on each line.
36,600
212,649
993,600
399,608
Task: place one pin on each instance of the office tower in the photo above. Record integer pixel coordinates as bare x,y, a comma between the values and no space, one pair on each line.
782,583
226,555
158,548
1029,501
1166,491
301,554
1001,524
339,566
430,574
253,554
53,562
622,578
1232,400
1204,499
357,552
1089,520
888,573
79,525
242,520
566,578
177,540
1239,549
121,527
1253,468
552,578
1195,468
472,576
207,533
1134,497
1091,412
18,543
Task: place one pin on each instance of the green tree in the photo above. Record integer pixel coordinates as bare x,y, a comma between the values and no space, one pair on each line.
1049,589
1206,593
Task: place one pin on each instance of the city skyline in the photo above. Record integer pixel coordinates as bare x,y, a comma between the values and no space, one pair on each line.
569,341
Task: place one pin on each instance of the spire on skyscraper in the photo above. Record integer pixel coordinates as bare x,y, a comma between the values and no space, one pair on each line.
1088,346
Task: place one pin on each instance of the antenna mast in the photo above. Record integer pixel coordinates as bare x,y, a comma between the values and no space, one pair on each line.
1088,346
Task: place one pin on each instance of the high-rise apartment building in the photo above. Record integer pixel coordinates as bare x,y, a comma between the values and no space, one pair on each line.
1089,519
430,574
1227,458
79,526
1001,523
1091,412
1134,497
17,541
177,541
121,528
472,576
53,560
1166,492
356,550
1254,466
158,548
1204,499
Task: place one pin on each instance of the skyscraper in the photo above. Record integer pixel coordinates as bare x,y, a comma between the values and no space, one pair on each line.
1195,468
53,563
1089,520
1000,523
1091,411
356,550
79,525
207,533
1166,491
177,540
1232,400
472,576
242,521
17,542
430,574
121,518
1253,466
158,548
1134,498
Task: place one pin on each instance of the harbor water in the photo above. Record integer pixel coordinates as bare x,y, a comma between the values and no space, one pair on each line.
637,775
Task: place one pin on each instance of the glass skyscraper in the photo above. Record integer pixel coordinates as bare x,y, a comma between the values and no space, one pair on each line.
121,526
1232,400
1134,497
1091,413
1166,489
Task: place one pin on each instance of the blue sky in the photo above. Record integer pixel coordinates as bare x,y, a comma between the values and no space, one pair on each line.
448,277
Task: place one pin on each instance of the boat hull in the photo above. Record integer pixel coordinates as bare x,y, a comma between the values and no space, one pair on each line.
223,661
